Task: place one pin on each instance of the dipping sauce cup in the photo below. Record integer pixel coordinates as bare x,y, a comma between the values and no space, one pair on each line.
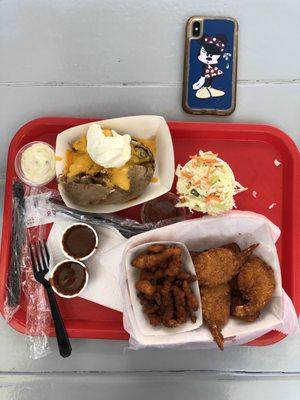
79,241
69,278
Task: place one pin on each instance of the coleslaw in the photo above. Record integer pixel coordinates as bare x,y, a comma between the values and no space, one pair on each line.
207,184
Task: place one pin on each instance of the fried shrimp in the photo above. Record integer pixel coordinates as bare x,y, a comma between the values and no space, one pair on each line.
217,266
239,301
216,310
256,283
232,246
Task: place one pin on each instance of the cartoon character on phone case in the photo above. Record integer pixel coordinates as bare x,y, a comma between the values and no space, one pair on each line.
212,47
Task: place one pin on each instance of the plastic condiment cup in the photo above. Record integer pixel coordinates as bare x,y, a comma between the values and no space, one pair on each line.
52,272
88,255
18,167
157,210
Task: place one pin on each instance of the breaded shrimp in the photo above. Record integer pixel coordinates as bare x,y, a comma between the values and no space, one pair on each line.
256,283
216,309
239,301
232,246
217,266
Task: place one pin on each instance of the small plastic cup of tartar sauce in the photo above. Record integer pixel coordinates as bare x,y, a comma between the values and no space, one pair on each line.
35,163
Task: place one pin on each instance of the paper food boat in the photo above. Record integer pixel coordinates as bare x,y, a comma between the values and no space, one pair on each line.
133,276
143,127
244,228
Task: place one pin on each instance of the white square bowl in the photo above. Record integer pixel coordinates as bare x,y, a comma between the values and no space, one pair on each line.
132,277
143,127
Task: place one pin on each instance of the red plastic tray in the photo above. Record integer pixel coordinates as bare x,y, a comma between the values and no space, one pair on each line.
249,149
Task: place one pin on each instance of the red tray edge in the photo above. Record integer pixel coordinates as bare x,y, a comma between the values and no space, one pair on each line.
267,339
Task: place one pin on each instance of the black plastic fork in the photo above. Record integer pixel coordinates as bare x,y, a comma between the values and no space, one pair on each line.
40,263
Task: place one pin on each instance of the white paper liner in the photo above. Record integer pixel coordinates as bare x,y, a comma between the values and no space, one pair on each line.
245,228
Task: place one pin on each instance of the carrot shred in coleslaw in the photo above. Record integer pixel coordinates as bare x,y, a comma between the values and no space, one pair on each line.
207,184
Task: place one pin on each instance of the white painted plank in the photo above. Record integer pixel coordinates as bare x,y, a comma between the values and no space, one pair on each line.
133,41
147,387
271,104
105,355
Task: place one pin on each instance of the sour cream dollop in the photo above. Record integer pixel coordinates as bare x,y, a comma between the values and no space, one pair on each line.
38,163
108,151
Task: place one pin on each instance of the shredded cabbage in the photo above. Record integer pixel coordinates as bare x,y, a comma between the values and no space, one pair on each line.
207,184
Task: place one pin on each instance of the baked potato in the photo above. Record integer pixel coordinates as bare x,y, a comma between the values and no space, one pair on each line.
87,183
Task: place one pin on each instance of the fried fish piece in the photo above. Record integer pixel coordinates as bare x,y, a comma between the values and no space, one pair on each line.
145,300
256,283
216,309
179,300
219,265
156,248
165,290
145,287
143,260
147,275
191,299
151,309
174,265
168,315
186,276
154,319
157,298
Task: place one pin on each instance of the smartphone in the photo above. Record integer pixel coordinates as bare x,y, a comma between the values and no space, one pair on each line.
210,66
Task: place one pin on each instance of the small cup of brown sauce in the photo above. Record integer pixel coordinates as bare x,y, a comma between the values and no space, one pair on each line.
69,278
79,241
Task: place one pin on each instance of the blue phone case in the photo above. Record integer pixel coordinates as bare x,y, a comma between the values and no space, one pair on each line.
210,67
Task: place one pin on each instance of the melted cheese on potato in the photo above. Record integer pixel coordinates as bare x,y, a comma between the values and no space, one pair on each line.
78,161
119,177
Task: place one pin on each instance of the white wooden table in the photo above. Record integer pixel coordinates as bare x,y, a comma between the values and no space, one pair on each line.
115,58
